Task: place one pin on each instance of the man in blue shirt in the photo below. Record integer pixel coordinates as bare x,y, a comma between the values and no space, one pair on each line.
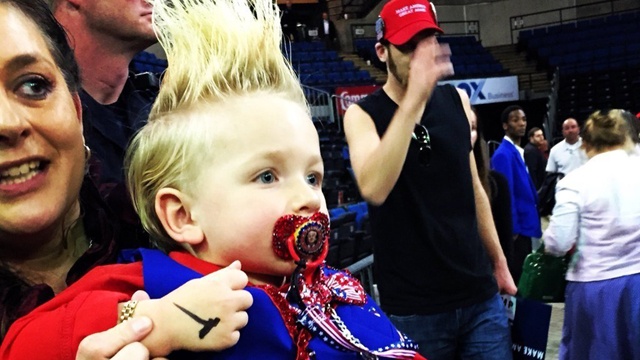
509,161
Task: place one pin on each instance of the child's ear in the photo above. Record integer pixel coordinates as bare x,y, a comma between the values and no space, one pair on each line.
173,210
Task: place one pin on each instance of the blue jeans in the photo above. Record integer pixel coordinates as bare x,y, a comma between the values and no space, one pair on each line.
479,331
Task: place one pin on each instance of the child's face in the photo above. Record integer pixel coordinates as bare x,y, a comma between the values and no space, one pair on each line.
265,163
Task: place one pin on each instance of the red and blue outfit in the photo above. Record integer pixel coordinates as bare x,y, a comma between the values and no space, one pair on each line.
334,319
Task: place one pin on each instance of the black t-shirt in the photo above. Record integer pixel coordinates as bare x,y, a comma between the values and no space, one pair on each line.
109,128
429,257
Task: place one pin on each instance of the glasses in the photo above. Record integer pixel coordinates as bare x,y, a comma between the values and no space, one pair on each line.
421,135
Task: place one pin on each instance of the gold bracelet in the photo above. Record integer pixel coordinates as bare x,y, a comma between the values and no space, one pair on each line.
127,311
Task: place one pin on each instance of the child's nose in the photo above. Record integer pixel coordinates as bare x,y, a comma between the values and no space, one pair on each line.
306,200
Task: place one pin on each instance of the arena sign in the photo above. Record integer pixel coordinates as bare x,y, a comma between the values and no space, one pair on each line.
488,90
348,95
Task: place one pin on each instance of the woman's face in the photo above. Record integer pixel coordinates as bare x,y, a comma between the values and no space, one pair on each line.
41,145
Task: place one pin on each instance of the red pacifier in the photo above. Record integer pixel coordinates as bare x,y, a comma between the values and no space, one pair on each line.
302,239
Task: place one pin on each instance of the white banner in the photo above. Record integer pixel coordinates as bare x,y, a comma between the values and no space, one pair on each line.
488,90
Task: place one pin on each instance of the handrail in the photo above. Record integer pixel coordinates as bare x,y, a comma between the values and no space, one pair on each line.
360,264
320,104
363,269
562,15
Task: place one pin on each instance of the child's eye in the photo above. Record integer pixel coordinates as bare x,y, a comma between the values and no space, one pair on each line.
266,177
314,179
34,88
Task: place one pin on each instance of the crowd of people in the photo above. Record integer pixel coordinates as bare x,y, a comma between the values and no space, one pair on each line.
233,230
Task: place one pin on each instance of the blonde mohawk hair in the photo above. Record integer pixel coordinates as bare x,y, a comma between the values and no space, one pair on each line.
217,49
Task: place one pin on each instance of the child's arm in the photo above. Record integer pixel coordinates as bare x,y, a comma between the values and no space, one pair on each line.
203,314
55,330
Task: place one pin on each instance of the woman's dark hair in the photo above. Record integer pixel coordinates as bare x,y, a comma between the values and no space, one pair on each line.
481,154
14,289
56,38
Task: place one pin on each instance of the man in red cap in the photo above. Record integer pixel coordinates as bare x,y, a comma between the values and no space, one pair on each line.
438,260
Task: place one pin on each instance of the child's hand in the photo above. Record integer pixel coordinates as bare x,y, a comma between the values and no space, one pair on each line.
202,314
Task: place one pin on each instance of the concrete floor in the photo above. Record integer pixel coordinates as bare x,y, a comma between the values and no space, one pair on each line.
555,331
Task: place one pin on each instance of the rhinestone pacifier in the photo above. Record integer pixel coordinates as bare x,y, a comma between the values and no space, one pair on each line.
302,238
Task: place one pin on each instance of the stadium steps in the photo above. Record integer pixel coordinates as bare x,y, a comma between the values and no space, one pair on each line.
379,75
529,77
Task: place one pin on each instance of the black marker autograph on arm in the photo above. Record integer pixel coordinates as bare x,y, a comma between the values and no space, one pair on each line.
207,325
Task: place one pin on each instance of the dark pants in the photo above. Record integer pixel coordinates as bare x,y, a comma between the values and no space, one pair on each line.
521,248
479,332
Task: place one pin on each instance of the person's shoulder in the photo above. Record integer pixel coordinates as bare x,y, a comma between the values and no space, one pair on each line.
373,96
506,145
570,181
559,145
501,148
110,270
529,149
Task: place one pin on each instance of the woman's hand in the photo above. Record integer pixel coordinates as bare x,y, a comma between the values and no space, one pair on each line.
121,342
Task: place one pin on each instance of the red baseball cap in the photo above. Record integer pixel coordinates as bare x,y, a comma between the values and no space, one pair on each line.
400,20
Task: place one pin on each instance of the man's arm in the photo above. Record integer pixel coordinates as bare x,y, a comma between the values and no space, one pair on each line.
484,217
377,161
488,234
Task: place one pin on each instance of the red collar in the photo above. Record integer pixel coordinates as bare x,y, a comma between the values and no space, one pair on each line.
194,263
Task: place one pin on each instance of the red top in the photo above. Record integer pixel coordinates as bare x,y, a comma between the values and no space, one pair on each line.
82,309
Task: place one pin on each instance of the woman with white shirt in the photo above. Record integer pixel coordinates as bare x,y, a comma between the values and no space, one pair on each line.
597,212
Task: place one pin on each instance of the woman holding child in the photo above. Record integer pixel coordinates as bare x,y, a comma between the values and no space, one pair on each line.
54,226
228,168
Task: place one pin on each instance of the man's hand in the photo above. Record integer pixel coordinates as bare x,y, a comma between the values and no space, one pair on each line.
430,63
504,279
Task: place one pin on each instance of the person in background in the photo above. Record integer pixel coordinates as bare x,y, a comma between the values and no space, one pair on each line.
210,198
54,226
508,159
497,188
434,237
534,158
289,21
543,146
105,36
567,155
596,215
327,32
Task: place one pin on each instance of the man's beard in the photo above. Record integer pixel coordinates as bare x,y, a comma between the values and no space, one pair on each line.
393,69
